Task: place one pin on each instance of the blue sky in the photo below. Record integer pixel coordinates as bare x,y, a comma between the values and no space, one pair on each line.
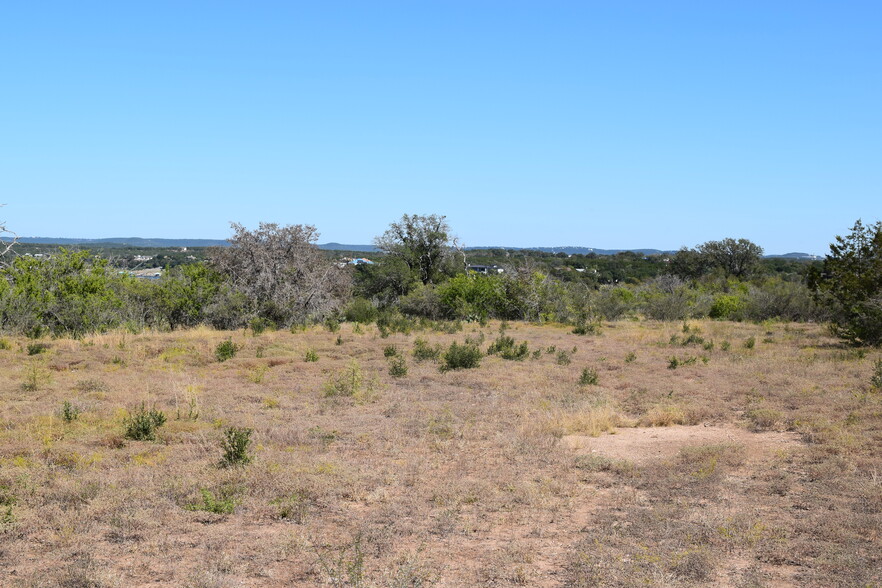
603,124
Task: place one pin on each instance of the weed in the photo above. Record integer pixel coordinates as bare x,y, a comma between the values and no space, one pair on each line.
550,349
725,346
293,508
422,351
506,348
332,325
397,367
212,504
876,378
563,358
37,348
390,351
69,412
259,325
750,343
91,385
708,346
257,373
586,328
34,377
458,357
344,569
339,340
235,446
346,384
5,344
225,350
260,352
588,377
311,355
675,362
537,354
630,357
192,405
763,419
141,425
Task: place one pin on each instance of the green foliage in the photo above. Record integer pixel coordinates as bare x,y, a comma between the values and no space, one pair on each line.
310,355
5,344
141,424
212,504
260,324
851,281
563,358
630,357
69,412
347,383
361,310
422,351
235,446
332,324
461,356
36,348
183,295
390,351
225,350
588,377
876,378
750,342
421,243
727,307
506,348
397,367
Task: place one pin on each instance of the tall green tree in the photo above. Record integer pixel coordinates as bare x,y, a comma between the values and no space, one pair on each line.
851,280
737,258
422,243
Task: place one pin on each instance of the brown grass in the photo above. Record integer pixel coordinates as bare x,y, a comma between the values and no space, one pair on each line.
443,479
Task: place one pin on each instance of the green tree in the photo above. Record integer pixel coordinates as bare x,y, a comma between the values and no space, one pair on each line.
851,279
736,258
422,244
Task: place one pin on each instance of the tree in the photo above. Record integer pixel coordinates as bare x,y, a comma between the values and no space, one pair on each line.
851,279
8,239
737,258
279,274
422,243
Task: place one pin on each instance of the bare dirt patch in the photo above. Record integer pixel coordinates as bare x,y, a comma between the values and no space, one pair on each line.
644,444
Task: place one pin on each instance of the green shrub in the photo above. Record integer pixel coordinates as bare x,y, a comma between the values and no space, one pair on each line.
347,383
397,367
212,504
37,348
876,378
463,356
361,310
141,425
311,355
5,344
69,412
725,346
260,324
422,351
563,358
588,377
235,446
390,351
727,307
750,343
630,357
225,350
506,348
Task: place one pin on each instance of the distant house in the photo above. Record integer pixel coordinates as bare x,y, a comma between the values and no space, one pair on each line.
484,269
360,261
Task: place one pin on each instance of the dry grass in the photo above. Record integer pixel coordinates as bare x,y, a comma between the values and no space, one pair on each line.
444,479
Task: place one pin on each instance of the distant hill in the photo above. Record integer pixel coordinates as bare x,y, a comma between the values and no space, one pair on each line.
142,242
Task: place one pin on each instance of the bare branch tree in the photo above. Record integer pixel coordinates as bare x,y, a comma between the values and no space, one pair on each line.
8,239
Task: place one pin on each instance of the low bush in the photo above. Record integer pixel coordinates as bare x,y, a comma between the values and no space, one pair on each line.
141,425
397,367
422,351
588,377
225,350
235,446
458,357
506,348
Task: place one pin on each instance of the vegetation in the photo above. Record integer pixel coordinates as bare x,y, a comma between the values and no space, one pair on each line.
235,447
141,424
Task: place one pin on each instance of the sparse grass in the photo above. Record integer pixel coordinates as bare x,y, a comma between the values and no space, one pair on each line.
510,474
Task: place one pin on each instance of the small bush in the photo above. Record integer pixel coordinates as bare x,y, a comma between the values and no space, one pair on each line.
310,355
390,351
763,419
563,358
235,446
361,310
339,340
347,383
506,348
141,425
37,348
397,367
225,350
422,351
588,377
69,412
259,325
630,357
725,346
586,328
458,357
5,344
332,324
212,504
876,378
750,343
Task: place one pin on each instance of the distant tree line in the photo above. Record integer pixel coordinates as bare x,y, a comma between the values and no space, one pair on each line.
276,277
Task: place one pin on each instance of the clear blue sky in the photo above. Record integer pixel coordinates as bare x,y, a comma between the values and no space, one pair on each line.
604,124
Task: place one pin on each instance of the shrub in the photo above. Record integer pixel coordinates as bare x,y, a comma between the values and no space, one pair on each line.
212,504
260,324
310,355
390,351
225,350
332,324
347,383
750,343
69,412
463,356
506,348
727,307
563,358
37,348
360,310
422,351
397,367
141,425
235,446
876,378
630,357
588,377
5,344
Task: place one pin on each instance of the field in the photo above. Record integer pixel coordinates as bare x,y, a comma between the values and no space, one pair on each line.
666,454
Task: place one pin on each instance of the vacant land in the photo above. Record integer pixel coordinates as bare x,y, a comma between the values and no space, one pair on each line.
710,453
